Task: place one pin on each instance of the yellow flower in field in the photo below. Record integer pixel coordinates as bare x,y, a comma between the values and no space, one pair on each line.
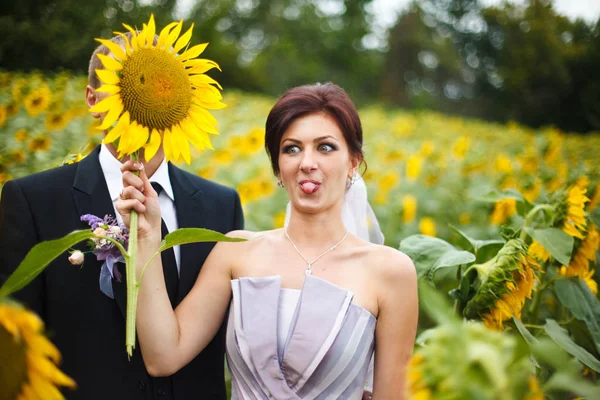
222,157
405,125
538,252
503,284
3,115
413,167
17,89
11,109
532,191
28,370
4,177
38,100
427,148
74,158
393,156
21,135
583,256
253,142
409,208
582,182
157,95
509,182
388,181
18,156
279,219
40,143
461,147
574,220
56,121
503,209
535,393
427,226
207,172
503,164
464,218
594,199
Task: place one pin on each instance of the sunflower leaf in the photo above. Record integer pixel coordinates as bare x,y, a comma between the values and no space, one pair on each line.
39,257
477,243
557,242
578,298
562,338
431,254
194,235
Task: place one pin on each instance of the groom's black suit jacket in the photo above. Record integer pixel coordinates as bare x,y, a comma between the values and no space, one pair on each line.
87,326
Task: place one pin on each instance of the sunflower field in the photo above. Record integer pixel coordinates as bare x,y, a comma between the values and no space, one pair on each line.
501,222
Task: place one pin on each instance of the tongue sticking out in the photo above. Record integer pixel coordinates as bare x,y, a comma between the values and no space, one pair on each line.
309,187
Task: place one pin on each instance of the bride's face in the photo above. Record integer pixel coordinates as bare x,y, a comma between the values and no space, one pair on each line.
314,163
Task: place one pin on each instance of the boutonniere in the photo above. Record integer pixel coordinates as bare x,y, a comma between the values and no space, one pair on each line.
109,236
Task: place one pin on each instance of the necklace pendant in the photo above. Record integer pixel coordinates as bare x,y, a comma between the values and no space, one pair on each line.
309,270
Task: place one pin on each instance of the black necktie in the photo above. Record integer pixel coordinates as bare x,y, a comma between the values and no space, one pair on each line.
168,260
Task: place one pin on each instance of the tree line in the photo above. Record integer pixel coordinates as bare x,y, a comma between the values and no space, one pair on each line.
521,63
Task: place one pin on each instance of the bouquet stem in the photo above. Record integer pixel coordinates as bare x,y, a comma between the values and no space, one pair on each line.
132,289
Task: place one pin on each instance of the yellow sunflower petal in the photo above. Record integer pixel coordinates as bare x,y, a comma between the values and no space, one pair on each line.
203,120
173,35
207,94
139,139
152,146
134,42
167,146
118,130
196,136
39,345
141,39
47,370
42,388
202,66
164,34
183,146
176,135
106,104
204,80
213,105
125,41
150,31
193,52
107,77
114,48
110,89
183,40
112,116
110,63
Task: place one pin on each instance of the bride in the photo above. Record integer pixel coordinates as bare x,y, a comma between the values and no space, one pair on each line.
307,304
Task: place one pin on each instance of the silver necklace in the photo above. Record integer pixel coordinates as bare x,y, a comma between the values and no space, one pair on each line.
310,263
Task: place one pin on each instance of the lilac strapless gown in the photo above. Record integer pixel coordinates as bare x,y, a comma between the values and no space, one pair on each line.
325,354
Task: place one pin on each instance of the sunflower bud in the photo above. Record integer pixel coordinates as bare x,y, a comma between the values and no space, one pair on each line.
467,360
502,284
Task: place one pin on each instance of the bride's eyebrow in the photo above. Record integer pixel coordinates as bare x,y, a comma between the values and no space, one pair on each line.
320,138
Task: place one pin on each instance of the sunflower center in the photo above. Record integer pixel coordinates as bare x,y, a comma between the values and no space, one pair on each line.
13,368
155,89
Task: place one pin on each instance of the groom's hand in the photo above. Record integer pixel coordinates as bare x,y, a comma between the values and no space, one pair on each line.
139,195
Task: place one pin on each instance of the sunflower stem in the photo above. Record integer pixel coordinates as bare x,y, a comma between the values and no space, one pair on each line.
132,287
531,214
537,298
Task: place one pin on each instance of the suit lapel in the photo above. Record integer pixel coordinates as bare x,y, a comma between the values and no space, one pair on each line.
91,196
190,214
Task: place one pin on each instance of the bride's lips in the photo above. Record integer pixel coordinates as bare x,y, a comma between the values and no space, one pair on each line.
309,186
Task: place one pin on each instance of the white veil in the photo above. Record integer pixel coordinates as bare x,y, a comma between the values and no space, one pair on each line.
359,219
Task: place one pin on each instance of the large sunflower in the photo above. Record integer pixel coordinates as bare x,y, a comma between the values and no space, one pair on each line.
28,368
157,95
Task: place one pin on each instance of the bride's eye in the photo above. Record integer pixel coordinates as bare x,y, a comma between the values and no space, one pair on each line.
326,148
292,149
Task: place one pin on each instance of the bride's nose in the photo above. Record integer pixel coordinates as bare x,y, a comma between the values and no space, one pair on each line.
308,162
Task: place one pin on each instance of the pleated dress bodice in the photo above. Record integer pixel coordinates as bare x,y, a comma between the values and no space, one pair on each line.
313,344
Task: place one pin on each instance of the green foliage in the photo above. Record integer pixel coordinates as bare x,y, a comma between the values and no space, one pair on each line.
38,258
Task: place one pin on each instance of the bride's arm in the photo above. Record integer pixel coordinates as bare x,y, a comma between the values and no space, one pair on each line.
396,324
170,339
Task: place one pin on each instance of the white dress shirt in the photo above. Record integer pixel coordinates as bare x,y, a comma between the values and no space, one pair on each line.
111,168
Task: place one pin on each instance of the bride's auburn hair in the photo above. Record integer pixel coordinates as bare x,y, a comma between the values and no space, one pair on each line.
305,100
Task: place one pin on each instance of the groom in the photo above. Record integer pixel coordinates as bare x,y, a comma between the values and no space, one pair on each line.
87,325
